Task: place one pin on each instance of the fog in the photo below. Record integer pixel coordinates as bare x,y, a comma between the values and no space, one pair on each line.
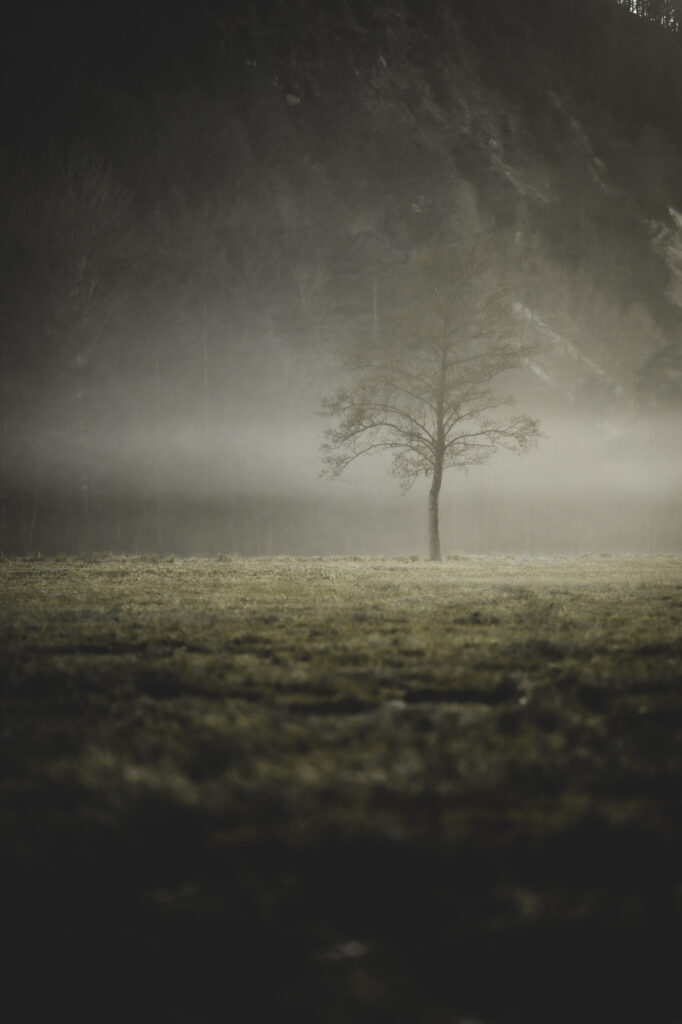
246,479
209,443
186,259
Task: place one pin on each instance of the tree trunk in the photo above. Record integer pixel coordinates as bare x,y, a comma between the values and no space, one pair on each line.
82,456
434,528
32,521
84,496
437,478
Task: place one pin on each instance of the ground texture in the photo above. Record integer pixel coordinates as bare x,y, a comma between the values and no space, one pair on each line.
338,790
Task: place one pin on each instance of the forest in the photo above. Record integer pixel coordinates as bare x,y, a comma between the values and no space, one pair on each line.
661,12
201,213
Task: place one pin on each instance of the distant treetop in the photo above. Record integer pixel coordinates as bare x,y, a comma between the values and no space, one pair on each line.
667,13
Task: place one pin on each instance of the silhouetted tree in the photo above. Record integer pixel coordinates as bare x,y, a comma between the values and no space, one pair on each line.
423,390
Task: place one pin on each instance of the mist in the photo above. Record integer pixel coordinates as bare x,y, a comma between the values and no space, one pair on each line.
183,283
246,480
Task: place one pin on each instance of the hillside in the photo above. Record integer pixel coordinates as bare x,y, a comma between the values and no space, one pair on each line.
199,210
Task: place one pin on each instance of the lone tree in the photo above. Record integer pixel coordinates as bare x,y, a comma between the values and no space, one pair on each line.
421,385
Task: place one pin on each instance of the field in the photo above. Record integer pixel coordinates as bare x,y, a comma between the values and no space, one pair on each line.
343,790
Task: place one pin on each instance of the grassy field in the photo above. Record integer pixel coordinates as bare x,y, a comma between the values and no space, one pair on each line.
343,790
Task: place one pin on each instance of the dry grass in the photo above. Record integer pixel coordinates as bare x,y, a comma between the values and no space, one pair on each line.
344,773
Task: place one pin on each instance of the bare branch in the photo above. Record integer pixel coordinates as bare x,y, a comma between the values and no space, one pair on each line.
424,389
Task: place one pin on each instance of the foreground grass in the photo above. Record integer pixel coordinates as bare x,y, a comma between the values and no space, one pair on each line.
345,790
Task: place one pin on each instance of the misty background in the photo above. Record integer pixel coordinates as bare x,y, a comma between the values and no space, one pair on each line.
203,207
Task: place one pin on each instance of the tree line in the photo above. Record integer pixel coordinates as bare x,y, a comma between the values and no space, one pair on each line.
667,13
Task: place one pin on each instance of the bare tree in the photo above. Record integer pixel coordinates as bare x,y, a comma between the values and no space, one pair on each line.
423,389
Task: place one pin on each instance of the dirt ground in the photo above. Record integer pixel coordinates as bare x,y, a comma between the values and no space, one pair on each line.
343,790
